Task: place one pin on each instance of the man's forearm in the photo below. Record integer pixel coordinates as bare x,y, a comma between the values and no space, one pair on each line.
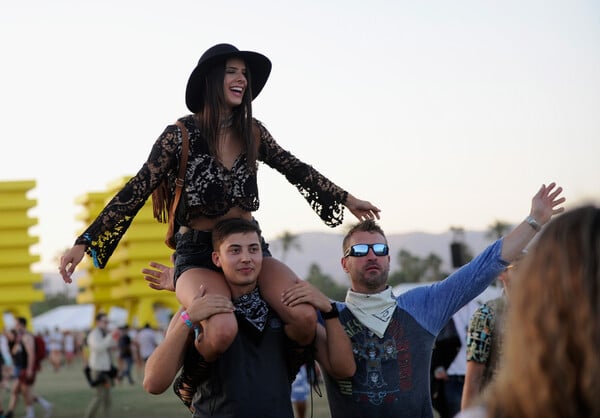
334,348
164,362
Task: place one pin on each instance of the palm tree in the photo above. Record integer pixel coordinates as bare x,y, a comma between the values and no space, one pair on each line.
325,283
288,241
497,230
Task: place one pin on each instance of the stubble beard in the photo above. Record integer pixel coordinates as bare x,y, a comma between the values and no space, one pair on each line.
374,280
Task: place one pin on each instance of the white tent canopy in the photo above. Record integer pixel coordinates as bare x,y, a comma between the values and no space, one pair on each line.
75,318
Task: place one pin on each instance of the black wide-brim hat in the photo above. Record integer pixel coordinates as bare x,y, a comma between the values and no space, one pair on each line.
258,64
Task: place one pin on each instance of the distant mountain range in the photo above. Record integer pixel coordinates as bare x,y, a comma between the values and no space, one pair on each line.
325,250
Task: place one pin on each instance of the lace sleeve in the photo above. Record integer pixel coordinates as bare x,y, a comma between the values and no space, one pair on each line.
103,235
323,196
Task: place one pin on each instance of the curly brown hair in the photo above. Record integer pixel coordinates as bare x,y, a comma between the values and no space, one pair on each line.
551,363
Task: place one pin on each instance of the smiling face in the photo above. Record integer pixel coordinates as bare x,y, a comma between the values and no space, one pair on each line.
240,257
234,82
369,273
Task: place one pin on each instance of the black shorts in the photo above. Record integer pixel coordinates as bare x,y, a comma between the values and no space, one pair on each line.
193,249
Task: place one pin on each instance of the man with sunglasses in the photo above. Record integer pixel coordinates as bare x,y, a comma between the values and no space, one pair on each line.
392,337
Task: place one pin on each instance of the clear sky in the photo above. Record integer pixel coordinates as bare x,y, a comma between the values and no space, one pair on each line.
441,113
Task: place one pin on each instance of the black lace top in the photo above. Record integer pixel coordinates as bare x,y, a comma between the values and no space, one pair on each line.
210,189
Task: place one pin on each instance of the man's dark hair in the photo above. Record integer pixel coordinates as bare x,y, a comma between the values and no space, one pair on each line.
22,320
100,316
227,227
365,226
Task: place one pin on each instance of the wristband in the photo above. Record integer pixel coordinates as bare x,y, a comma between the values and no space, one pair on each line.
185,317
533,223
333,313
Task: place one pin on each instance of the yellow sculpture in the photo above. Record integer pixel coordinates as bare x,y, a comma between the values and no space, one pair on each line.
17,281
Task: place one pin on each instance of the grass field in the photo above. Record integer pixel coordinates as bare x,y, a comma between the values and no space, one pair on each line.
70,393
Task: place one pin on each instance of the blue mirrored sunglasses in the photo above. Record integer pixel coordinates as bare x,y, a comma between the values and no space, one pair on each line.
361,250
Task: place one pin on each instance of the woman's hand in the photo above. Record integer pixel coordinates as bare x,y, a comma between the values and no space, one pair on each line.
362,209
69,261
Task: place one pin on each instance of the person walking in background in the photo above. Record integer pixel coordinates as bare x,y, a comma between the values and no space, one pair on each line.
550,363
147,341
69,346
6,369
220,182
27,364
55,348
484,340
100,342
300,391
393,337
125,345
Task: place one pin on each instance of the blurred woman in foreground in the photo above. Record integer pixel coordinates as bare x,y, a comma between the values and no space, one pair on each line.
551,364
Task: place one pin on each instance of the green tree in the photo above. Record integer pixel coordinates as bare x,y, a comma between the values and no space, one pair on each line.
497,230
414,269
288,241
325,283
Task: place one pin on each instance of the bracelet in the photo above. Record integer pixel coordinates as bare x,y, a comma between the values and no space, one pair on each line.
333,313
533,223
185,317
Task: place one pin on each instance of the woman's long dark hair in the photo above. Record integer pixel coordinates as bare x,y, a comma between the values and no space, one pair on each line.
210,116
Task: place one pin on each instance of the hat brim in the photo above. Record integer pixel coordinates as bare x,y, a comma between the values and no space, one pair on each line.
258,64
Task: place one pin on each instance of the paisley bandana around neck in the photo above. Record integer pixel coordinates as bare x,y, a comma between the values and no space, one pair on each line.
373,311
253,308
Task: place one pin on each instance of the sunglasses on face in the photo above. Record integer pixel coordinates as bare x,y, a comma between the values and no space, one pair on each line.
361,250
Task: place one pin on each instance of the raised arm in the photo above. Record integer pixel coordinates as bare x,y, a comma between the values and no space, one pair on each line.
103,235
324,196
333,347
164,362
544,205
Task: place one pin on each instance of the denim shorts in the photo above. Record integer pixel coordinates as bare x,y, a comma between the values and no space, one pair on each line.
193,249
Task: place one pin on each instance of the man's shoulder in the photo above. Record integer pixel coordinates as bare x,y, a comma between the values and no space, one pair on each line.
93,332
495,305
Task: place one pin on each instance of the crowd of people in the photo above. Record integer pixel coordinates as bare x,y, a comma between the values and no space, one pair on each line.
24,352
247,323
22,355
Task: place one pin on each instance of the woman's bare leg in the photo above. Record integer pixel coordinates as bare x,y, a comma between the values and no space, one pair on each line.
301,320
219,330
